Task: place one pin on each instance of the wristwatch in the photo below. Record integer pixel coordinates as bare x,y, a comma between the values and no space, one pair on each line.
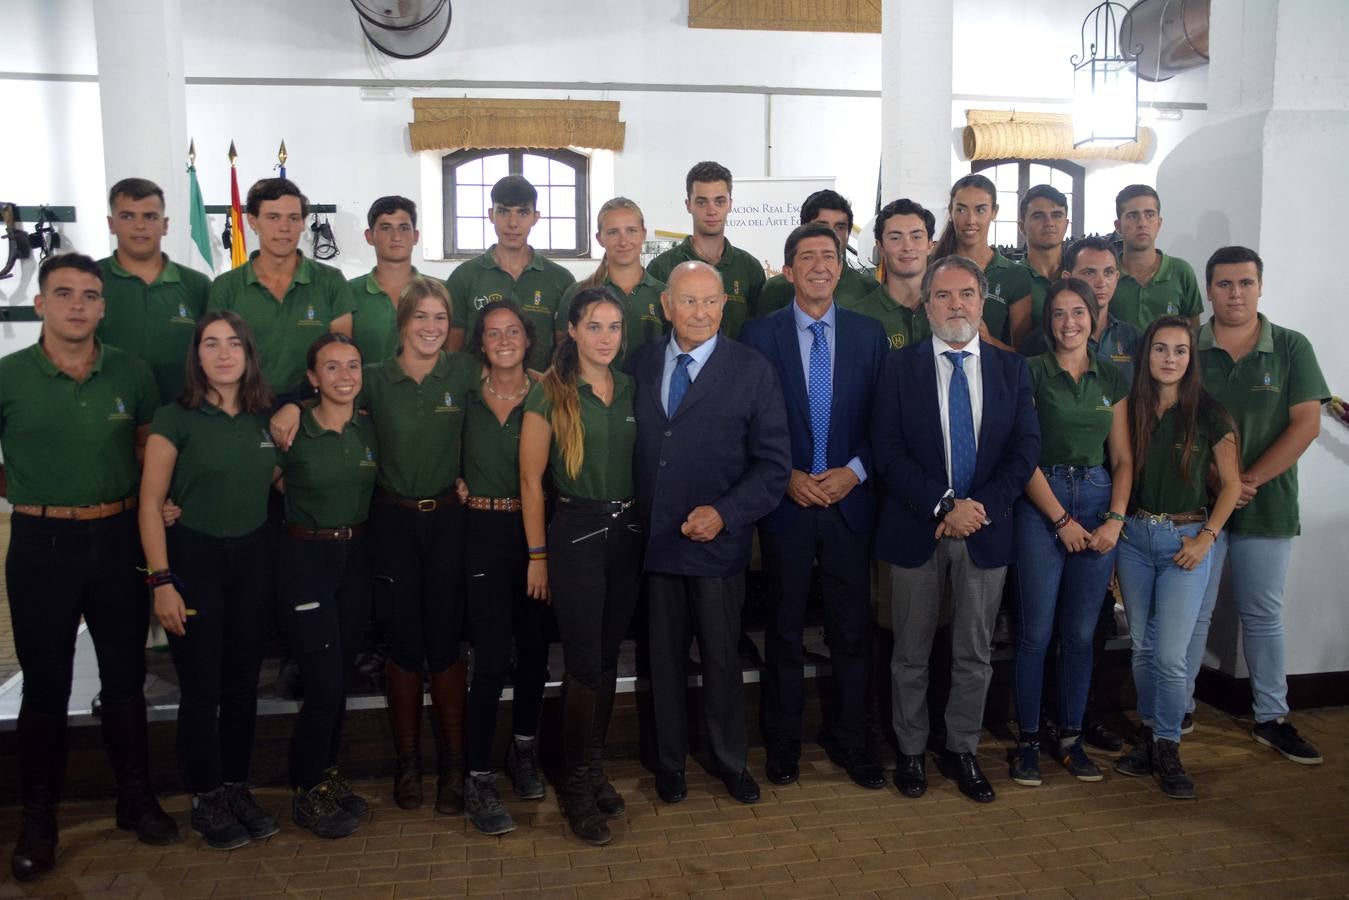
945,504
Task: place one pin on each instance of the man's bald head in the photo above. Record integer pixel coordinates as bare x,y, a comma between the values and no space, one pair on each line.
693,301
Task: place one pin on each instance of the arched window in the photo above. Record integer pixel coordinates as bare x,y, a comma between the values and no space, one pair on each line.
560,176
1013,177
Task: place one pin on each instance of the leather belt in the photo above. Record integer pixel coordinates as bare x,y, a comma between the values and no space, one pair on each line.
431,504
345,533
1184,518
613,508
495,504
78,513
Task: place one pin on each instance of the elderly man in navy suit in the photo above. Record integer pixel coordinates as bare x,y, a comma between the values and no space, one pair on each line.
828,360
955,439
712,458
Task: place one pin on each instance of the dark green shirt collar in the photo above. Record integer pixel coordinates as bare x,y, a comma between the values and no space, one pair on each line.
304,272
489,261
168,275
396,372
1265,343
1057,369
49,368
372,286
311,425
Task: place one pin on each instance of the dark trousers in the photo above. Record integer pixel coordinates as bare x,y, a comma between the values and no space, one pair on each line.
417,561
679,607
227,583
58,571
594,566
323,603
844,555
500,616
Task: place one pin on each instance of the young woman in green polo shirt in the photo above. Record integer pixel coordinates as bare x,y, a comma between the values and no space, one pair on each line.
579,427
1180,436
324,586
502,617
212,572
621,230
1068,523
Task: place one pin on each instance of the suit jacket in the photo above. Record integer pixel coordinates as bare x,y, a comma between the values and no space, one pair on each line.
725,447
860,347
906,438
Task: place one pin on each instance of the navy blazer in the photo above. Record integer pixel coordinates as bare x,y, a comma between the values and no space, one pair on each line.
906,438
860,347
725,447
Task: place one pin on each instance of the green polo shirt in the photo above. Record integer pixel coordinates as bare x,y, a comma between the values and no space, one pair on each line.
643,319
223,474
1159,487
1172,291
903,326
284,329
154,321
777,292
72,443
1008,284
1039,289
610,432
492,449
420,426
741,277
1258,390
479,281
1075,416
330,475
374,325
1118,345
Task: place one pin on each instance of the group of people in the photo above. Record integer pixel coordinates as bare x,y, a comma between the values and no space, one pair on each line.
283,451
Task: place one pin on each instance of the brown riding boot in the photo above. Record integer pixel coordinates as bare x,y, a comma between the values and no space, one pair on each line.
403,695
609,800
576,791
42,766
126,739
449,693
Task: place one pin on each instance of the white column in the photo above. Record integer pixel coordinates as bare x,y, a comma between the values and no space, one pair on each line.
144,104
916,57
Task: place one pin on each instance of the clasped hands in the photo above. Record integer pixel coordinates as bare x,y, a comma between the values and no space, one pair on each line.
823,489
964,519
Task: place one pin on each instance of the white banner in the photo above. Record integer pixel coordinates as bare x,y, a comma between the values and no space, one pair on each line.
765,210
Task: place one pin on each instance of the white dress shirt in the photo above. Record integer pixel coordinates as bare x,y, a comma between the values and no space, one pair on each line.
974,375
698,355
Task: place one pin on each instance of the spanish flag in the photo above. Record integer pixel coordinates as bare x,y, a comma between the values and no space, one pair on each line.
238,246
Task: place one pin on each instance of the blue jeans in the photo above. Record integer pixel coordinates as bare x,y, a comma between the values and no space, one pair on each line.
1054,582
1259,568
1163,602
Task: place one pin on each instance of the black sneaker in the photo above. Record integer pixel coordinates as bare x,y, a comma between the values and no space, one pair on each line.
1074,758
346,798
215,822
246,810
522,767
1168,771
1187,724
1025,766
1138,761
1282,736
482,805
317,811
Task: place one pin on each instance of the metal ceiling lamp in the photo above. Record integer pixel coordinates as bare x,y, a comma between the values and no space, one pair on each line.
1105,83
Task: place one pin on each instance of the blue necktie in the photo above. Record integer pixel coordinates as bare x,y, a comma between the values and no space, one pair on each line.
820,393
679,384
961,420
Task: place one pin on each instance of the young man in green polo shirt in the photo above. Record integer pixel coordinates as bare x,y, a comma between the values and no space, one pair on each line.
511,270
1042,219
1151,283
151,302
391,228
1267,377
831,208
74,414
707,197
287,298
904,240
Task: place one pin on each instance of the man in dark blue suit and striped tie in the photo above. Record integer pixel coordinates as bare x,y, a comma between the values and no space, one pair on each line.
954,438
828,360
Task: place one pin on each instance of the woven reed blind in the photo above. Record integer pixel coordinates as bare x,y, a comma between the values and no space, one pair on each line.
787,15
999,134
446,123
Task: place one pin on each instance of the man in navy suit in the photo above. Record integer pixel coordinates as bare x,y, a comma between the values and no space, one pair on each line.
828,360
955,439
712,458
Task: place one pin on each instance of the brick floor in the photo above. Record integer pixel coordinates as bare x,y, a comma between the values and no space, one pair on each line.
1262,827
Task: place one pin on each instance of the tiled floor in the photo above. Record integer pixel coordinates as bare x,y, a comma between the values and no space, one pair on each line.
1263,827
